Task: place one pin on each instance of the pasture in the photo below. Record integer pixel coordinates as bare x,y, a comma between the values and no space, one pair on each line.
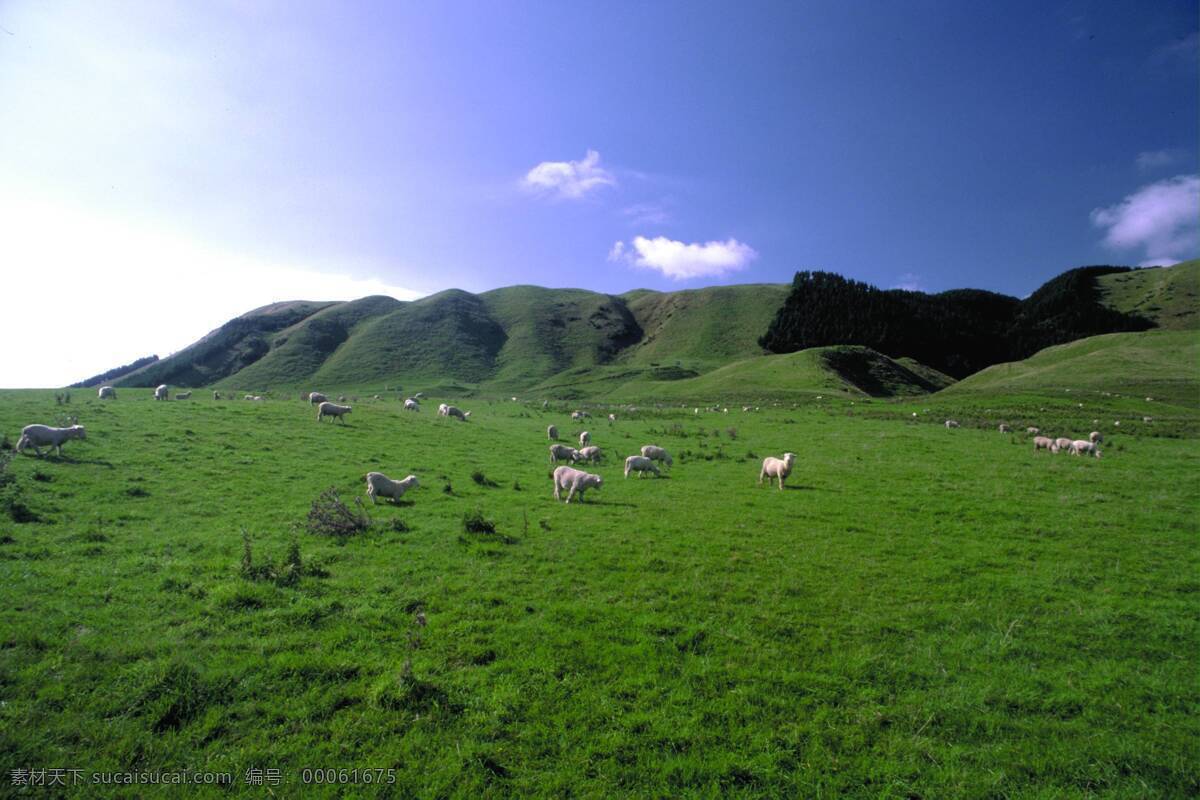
920,613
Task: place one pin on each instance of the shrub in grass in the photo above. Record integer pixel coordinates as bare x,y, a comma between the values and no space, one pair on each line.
172,695
329,516
475,522
482,479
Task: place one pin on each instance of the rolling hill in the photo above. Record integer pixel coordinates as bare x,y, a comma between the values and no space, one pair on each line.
1168,296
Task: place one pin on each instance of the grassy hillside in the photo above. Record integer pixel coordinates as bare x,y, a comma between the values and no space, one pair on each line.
921,613
1161,364
1169,296
705,327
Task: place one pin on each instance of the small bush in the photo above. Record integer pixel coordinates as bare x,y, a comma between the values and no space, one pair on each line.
329,516
136,491
732,433
516,486
447,489
474,522
397,525
483,480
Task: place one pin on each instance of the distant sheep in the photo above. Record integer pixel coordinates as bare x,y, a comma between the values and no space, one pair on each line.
1063,444
328,409
1044,443
778,468
641,465
380,484
560,452
590,454
950,423
341,398
576,481
655,453
248,397
107,392
216,395
552,433
453,411
39,436
612,417
183,396
316,398
1095,438
161,392
1004,428
579,415
411,404
1032,430
419,396
1081,446
585,439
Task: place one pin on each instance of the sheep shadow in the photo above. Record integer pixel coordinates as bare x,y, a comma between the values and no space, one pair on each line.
65,459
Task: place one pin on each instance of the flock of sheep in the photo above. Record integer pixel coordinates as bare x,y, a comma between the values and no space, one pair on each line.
1076,447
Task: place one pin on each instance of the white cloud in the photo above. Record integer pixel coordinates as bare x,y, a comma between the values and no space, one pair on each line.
89,293
1150,160
641,214
1162,219
909,282
569,179
681,261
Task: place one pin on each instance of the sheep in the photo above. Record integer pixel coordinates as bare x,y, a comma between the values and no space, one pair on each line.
552,433
183,396
777,468
38,436
560,452
316,398
612,417
585,439
419,396
1044,442
258,398
328,409
1004,428
380,484
1062,444
1081,446
655,453
1032,430
1147,419
453,411
1095,438
341,398
576,481
161,393
216,395
641,465
577,415
107,392
590,454
411,404
950,423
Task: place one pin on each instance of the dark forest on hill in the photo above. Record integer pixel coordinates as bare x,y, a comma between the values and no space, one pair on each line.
958,332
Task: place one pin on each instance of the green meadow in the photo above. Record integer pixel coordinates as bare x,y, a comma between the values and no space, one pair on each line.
920,613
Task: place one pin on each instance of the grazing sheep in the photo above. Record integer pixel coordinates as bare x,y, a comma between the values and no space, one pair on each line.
576,481
1004,428
590,454
778,468
258,398
341,398
453,411
1044,442
1063,444
316,398
183,396
579,415
1147,419
38,436
612,417
560,452
411,404
380,484
248,397
1032,430
552,433
161,393
585,439
1081,446
655,453
107,392
641,465
328,409
1095,438
950,423
419,396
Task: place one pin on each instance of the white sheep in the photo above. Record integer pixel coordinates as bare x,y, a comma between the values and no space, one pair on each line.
1044,443
1095,438
1004,428
1032,430
950,423
656,453
778,468
39,436
1081,446
552,433
107,392
1063,445
328,409
380,484
419,396
316,398
411,404
590,454
641,465
1147,419
579,415
453,411
161,392
560,452
576,481
612,417
183,396
585,439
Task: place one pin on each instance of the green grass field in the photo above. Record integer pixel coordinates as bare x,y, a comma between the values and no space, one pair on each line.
921,613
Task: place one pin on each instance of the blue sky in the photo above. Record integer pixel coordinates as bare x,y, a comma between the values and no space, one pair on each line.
239,153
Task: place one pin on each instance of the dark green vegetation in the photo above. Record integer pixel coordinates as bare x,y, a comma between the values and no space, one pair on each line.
113,374
921,613
1168,297
958,332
